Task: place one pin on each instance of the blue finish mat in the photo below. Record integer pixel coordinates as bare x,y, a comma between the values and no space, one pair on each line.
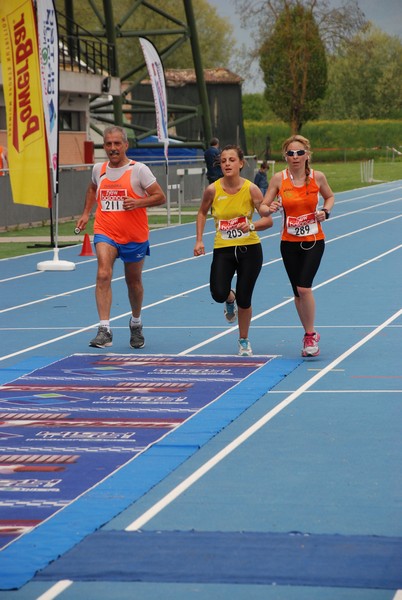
234,557
96,433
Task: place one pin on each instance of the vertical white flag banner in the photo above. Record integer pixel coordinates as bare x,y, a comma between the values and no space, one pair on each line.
48,42
157,76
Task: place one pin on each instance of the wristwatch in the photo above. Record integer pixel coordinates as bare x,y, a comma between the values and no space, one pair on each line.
251,226
327,213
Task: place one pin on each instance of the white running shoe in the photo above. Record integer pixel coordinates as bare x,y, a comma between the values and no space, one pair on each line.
245,347
230,310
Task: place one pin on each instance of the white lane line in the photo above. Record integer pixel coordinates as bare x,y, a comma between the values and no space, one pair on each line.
371,391
92,286
20,276
82,329
181,239
171,264
363,264
181,294
269,310
350,233
46,298
211,463
55,590
89,260
212,326
262,237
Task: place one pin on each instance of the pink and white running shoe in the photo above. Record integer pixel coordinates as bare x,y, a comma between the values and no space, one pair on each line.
310,344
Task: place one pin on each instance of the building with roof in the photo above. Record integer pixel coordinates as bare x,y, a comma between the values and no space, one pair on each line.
225,104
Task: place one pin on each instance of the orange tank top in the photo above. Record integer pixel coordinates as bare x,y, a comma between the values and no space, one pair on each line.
299,205
122,226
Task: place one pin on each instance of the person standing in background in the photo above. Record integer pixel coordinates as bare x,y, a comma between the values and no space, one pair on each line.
212,160
121,189
261,179
3,159
295,191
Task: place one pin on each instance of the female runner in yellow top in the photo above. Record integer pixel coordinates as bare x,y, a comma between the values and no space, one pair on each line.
237,248
296,192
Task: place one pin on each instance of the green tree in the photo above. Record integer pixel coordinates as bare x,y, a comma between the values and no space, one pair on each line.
293,61
256,108
215,35
336,24
364,80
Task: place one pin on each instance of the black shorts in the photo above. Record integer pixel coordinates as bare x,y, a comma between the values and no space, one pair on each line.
246,261
301,260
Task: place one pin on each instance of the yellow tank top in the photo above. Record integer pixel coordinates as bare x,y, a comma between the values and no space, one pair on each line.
228,210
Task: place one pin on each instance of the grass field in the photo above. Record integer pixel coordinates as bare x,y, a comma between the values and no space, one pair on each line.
342,176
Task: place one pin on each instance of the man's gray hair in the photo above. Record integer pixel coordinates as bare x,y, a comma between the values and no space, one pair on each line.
114,129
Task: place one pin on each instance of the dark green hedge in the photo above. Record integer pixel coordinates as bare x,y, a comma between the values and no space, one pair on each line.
330,140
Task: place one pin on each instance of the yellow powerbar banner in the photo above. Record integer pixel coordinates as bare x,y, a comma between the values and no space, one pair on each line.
26,133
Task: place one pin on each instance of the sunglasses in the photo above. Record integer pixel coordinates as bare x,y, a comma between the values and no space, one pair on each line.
295,152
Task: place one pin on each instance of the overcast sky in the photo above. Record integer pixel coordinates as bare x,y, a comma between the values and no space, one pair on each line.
385,14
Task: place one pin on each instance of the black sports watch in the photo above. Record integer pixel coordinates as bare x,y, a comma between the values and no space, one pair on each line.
327,213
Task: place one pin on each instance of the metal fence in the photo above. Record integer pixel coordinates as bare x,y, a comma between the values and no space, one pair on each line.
183,184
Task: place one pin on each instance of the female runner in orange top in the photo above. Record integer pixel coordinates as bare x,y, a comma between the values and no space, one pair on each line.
295,191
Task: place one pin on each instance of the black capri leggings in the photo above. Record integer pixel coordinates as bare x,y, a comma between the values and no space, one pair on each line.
246,261
301,262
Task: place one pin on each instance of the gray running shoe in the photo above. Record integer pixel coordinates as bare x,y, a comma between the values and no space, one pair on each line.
137,340
103,339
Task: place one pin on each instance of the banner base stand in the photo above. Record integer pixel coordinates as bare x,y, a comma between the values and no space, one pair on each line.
55,264
67,245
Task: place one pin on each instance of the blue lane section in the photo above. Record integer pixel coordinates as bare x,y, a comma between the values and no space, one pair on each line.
234,557
20,560
24,367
